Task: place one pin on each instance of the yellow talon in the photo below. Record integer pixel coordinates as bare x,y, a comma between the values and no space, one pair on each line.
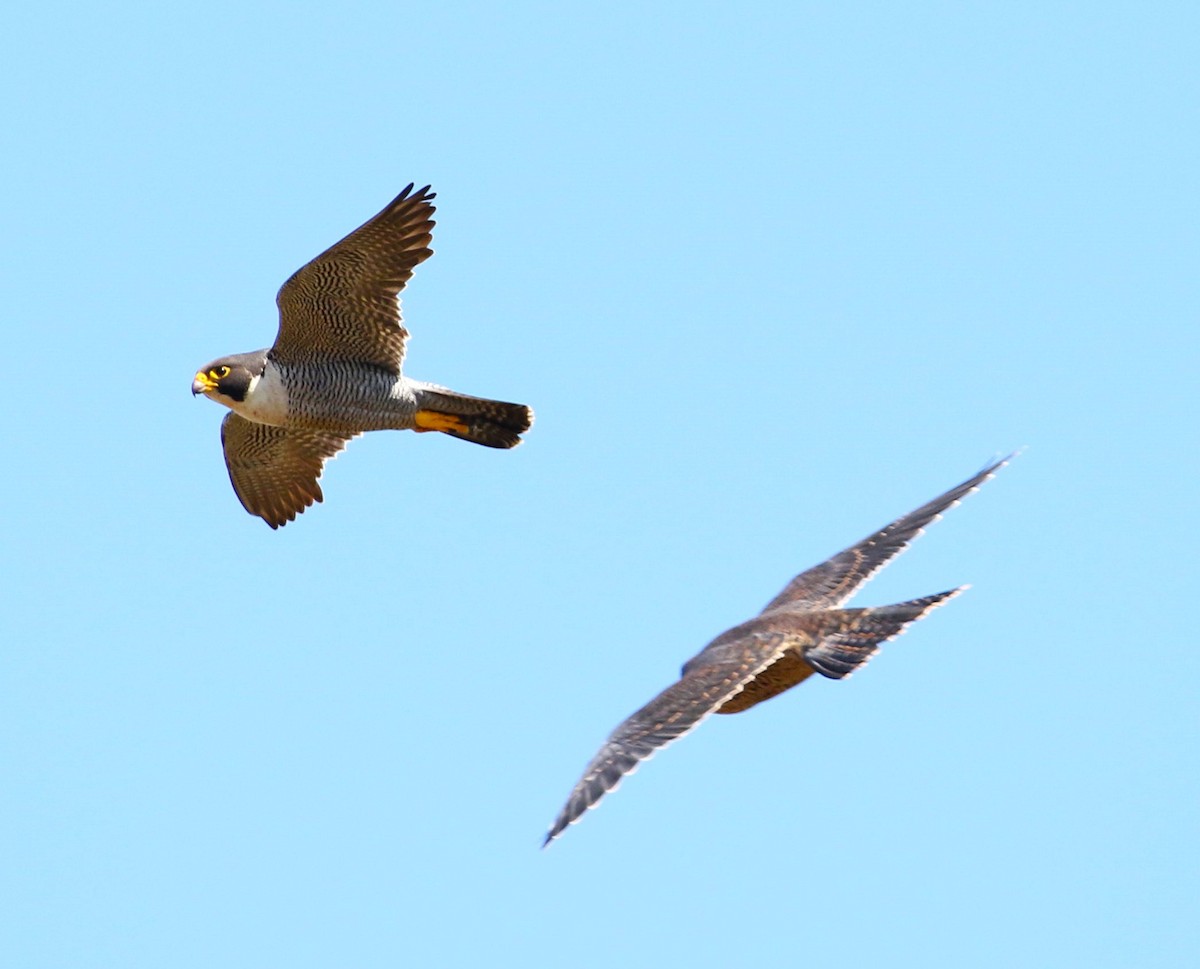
432,420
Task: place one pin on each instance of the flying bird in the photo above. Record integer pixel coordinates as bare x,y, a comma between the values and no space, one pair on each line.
334,371
803,630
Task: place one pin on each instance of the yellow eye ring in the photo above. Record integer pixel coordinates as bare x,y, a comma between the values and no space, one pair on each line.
219,373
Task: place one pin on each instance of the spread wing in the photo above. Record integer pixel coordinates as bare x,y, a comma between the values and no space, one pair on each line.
800,632
703,687
833,643
833,582
344,304
274,470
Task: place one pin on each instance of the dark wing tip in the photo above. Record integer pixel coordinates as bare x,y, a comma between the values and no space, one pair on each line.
583,798
578,804
420,195
998,463
411,203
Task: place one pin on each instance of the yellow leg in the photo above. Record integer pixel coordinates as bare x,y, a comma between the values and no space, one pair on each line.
433,420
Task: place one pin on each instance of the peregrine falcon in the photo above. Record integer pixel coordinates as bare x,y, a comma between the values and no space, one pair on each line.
334,371
802,631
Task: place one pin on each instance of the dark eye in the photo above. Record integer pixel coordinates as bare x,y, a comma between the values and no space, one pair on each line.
220,372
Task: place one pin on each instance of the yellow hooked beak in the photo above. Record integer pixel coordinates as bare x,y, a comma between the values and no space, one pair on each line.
202,383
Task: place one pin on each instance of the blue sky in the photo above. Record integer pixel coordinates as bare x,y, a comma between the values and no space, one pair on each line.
770,275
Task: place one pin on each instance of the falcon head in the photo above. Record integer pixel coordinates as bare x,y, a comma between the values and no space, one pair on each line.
229,379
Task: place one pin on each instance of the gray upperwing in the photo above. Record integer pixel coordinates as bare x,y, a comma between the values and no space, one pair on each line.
833,582
674,712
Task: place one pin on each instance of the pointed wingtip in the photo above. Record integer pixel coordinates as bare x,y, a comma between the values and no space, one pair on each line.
997,463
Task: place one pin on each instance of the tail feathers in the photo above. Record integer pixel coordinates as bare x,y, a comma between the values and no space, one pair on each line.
853,636
492,423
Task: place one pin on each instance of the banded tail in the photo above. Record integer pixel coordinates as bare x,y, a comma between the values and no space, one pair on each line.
853,636
492,423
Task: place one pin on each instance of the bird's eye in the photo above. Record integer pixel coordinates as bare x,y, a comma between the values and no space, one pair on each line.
219,373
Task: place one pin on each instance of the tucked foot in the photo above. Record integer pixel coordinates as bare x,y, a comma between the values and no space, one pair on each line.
492,423
434,420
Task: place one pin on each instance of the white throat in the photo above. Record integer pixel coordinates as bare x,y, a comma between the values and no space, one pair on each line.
266,401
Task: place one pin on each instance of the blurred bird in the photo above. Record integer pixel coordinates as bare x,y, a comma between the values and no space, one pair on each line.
802,631
334,371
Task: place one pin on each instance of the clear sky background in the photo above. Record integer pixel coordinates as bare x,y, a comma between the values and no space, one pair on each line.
771,275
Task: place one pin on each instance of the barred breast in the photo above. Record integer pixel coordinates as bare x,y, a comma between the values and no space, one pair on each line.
346,396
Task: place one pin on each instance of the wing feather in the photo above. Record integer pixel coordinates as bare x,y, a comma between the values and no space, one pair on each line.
344,303
674,712
833,582
274,470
